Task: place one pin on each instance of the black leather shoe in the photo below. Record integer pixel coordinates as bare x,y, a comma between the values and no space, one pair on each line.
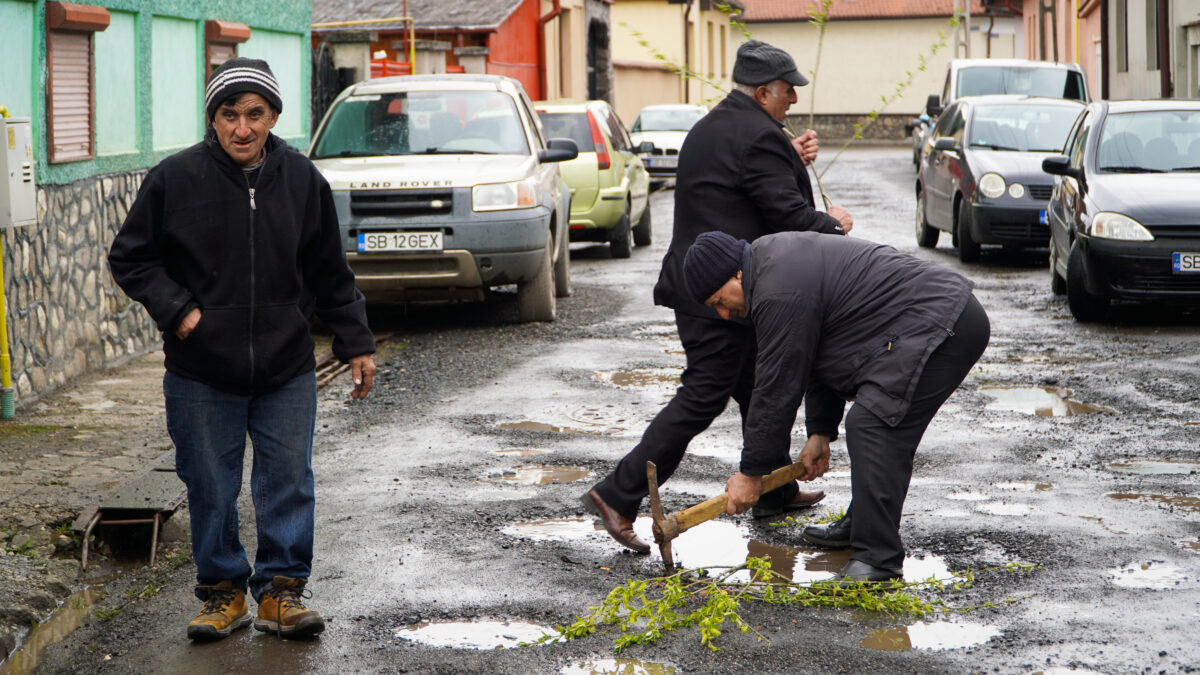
802,500
857,570
833,535
620,527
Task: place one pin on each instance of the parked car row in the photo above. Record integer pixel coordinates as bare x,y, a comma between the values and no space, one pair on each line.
448,186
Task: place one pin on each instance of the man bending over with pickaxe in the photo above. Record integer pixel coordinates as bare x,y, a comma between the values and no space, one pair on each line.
839,319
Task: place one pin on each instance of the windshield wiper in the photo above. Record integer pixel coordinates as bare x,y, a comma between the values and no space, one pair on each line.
1186,168
349,153
450,151
1131,169
991,146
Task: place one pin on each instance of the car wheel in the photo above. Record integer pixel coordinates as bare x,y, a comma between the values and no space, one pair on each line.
641,232
927,237
1058,285
535,297
621,244
562,268
968,248
1084,305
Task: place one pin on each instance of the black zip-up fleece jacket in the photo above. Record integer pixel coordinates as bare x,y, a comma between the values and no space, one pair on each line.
738,174
194,238
838,319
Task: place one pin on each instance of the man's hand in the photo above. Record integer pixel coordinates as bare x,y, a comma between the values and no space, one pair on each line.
807,146
843,217
743,492
188,324
362,369
815,457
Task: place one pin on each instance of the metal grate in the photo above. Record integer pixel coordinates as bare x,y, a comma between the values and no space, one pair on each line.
401,202
1021,232
1041,192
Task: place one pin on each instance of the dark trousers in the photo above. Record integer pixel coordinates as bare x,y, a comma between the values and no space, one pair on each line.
881,456
720,365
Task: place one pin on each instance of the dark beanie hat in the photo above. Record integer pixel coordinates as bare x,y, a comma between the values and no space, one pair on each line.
759,63
238,76
710,262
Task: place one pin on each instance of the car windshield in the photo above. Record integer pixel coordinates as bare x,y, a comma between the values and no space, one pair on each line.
681,119
1023,127
423,122
1150,142
1048,82
569,125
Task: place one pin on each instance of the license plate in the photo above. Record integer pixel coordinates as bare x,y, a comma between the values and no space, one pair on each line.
399,242
1042,217
662,162
1185,263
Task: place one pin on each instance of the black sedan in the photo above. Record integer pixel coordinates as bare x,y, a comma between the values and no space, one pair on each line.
983,180
1125,214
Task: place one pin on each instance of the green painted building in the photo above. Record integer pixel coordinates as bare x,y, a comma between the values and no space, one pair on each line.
112,87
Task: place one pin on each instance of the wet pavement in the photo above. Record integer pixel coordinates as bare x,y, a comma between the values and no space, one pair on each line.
448,520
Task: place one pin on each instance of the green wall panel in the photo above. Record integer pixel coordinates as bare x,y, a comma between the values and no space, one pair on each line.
16,53
116,85
284,53
175,82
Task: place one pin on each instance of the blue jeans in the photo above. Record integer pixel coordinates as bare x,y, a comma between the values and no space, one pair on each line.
209,429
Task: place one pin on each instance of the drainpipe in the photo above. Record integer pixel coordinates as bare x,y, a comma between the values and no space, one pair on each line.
543,81
687,53
1164,49
1104,49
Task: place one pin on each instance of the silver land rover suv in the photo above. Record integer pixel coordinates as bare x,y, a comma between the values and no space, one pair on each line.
446,187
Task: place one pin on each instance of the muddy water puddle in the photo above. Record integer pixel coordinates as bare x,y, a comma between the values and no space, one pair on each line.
518,452
529,425
470,634
665,380
1156,467
559,529
1025,486
618,666
1003,508
1189,545
1040,401
541,474
1182,502
70,615
929,635
1153,575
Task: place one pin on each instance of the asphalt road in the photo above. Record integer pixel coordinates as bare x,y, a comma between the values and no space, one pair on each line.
431,510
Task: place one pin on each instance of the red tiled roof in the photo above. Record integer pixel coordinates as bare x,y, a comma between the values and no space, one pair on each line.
798,10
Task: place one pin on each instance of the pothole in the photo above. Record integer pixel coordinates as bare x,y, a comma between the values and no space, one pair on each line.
541,474
473,634
70,615
1003,508
664,379
1182,502
517,452
529,425
1156,467
968,496
617,666
1040,401
929,635
561,529
1025,486
1155,575
1189,545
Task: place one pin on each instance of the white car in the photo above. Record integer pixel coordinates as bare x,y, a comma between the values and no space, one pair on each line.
445,187
665,126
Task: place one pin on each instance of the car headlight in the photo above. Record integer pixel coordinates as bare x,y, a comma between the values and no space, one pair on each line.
520,194
1016,191
991,185
1108,225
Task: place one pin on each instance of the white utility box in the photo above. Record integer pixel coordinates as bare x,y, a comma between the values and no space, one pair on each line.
18,195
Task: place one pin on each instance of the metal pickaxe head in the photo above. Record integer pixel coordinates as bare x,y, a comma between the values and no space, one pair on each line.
665,528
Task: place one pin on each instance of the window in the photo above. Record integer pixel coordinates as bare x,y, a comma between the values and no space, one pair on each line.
1077,144
70,120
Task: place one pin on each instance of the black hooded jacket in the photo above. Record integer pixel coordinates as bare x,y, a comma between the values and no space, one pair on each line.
739,174
194,239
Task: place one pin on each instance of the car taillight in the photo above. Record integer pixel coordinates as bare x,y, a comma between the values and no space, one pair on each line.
602,161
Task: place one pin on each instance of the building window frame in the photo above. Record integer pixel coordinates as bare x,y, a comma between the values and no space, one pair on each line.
70,46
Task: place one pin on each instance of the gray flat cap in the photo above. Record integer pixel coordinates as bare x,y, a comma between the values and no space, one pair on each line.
759,63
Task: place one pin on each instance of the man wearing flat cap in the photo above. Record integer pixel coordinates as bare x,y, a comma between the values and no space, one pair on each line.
230,245
738,173
896,335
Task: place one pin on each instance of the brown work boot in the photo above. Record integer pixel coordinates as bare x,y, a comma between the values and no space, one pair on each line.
224,612
281,610
620,527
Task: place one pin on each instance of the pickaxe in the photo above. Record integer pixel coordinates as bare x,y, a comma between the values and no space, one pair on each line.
668,527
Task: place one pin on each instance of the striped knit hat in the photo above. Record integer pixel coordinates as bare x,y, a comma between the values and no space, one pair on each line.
238,76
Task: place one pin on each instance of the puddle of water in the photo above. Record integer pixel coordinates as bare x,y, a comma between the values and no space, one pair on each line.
1006,508
1183,502
929,635
968,496
617,667
1040,401
1155,467
542,474
1155,575
666,379
1025,486
1189,544
70,615
562,529
542,426
473,634
517,452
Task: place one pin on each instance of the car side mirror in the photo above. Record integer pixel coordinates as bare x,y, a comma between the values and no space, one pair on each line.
559,150
945,144
646,148
1060,165
933,105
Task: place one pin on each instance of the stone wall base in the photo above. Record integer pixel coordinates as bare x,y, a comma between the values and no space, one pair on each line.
830,128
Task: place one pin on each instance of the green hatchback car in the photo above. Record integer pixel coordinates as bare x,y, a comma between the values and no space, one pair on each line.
610,187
